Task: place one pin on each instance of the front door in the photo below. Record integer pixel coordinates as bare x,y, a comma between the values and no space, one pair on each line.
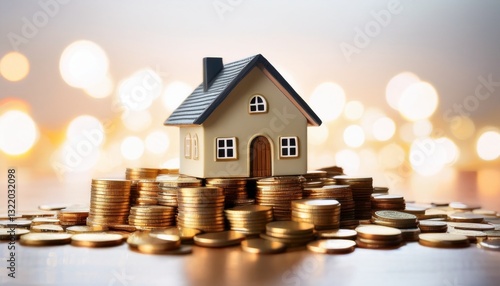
260,157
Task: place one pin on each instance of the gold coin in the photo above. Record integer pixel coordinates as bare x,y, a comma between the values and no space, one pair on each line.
39,239
96,239
378,232
472,235
289,227
44,220
490,244
185,234
124,227
262,246
466,217
471,226
332,246
251,209
219,239
315,204
145,243
53,207
8,234
338,234
286,240
444,240
46,228
84,228
15,223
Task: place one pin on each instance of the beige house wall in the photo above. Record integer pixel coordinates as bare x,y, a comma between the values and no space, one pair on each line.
191,166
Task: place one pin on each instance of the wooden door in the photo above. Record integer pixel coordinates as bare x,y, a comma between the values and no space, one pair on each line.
260,157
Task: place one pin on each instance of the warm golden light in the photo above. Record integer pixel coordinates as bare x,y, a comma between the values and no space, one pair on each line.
354,110
102,89
138,91
83,64
137,120
157,142
175,93
429,156
18,132
317,135
487,145
348,160
328,100
462,127
391,156
397,86
354,136
418,101
383,129
422,128
14,66
132,148
406,132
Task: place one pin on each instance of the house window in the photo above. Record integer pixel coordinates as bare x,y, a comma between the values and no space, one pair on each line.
187,146
196,152
289,147
226,148
258,104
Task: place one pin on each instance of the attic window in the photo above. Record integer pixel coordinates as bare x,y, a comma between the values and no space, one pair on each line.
226,148
289,147
258,104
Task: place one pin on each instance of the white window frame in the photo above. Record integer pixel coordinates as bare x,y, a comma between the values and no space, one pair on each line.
187,146
256,104
196,148
289,147
226,148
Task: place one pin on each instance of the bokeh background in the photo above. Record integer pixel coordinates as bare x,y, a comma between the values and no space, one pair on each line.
408,91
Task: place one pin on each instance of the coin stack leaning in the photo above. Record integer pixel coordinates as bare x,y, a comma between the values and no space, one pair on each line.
249,220
169,187
109,202
69,217
290,233
145,193
341,193
201,208
377,236
323,213
141,173
234,189
388,202
362,189
151,217
279,192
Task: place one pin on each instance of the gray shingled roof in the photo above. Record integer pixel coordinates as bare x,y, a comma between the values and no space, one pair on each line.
198,106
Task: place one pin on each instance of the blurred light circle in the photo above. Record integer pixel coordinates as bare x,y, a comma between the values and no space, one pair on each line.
354,136
488,145
383,129
348,160
137,120
451,149
102,89
396,87
318,135
419,101
14,66
171,164
370,116
83,64
175,93
157,142
140,90
391,156
86,128
354,110
422,128
406,132
132,148
18,132
462,127
328,100
429,156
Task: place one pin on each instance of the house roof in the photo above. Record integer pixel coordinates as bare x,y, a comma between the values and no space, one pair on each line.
200,104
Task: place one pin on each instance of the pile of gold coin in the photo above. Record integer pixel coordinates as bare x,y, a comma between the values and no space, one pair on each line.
332,246
341,193
279,192
109,202
432,226
322,213
145,192
151,217
234,189
290,233
314,178
201,208
443,240
144,242
388,202
377,236
250,219
219,239
362,189
141,173
169,186
395,219
73,216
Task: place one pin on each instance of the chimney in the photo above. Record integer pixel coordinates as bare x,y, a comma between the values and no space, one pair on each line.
211,67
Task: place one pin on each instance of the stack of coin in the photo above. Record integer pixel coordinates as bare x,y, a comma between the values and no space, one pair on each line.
249,219
395,219
69,216
443,240
323,213
201,208
169,186
333,171
466,217
219,239
341,193
141,173
315,177
432,226
168,172
143,242
362,190
377,236
290,233
145,193
388,202
234,189
109,202
151,217
278,192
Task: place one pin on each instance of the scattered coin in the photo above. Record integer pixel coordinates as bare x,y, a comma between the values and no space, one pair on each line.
185,234
84,229
46,228
466,217
8,234
17,223
471,226
332,246
42,239
443,240
96,239
262,246
52,207
219,239
337,234
490,244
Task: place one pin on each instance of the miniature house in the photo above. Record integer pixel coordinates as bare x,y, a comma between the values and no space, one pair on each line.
244,120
